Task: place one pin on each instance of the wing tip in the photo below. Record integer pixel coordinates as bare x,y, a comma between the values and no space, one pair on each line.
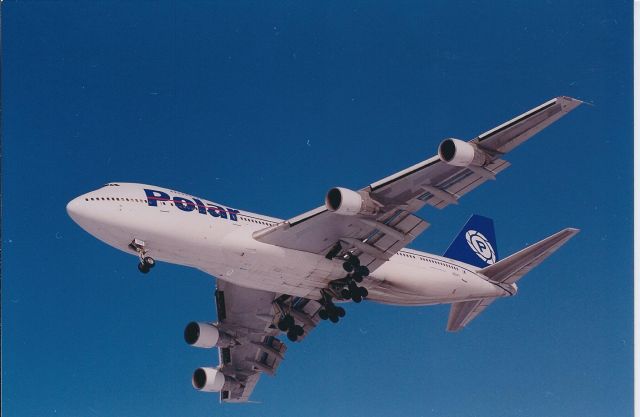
569,103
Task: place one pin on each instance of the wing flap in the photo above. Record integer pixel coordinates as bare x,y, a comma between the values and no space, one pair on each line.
248,316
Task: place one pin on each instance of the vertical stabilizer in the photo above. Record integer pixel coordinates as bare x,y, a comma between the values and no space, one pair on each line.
475,244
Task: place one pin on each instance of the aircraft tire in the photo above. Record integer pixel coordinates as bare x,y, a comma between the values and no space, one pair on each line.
363,271
149,261
144,268
282,325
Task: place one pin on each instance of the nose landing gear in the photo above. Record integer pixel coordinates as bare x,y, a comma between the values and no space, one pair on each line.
146,262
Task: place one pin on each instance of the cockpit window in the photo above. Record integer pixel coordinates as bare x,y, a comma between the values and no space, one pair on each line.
111,184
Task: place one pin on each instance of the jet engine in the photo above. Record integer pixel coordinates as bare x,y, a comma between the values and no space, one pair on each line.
460,153
349,203
208,379
205,335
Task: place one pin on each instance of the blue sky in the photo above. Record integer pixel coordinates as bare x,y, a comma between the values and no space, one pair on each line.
265,107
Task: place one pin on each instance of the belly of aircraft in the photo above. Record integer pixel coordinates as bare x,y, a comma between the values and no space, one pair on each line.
219,250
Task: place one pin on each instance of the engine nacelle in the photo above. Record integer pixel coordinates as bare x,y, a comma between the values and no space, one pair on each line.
205,335
349,203
460,153
208,380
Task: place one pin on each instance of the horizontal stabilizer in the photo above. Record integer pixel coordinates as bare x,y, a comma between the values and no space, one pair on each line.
514,267
463,312
508,271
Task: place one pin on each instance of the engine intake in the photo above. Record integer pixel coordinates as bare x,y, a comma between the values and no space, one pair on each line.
349,203
208,380
460,153
205,335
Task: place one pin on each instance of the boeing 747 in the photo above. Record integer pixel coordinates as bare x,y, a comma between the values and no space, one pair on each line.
278,277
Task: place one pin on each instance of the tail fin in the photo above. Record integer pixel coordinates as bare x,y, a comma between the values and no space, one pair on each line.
476,243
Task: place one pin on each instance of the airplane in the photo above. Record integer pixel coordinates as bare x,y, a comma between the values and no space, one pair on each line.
278,276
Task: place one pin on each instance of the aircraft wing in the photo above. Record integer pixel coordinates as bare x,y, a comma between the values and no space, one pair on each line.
376,236
248,316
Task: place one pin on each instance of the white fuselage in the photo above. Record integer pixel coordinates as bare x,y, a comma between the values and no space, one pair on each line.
216,239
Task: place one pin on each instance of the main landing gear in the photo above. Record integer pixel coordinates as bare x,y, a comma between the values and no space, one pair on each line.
356,273
146,262
329,310
288,324
346,288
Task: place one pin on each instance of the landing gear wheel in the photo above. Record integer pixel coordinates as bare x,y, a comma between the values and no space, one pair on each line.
293,336
149,261
334,318
357,298
345,293
323,314
282,325
355,261
362,271
340,312
144,268
357,277
298,330
364,293
286,323
348,266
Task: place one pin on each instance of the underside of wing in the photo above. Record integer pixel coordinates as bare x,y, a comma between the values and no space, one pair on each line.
251,347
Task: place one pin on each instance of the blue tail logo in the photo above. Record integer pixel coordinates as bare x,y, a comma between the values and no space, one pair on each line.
475,244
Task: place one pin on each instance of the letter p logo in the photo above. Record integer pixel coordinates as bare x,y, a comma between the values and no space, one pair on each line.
154,196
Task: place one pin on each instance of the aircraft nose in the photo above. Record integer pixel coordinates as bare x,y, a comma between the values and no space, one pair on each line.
75,209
